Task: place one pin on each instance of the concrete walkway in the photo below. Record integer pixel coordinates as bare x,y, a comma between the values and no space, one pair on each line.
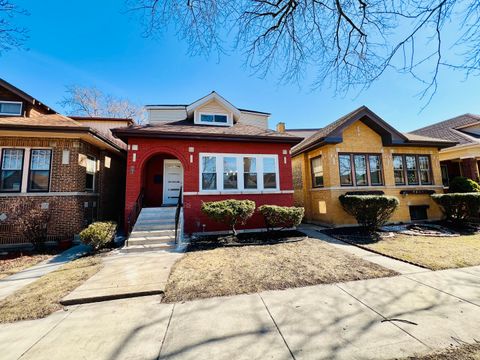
126,275
369,319
16,281
313,231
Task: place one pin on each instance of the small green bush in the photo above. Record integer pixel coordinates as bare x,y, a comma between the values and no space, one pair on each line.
230,212
462,184
370,211
281,216
458,208
99,234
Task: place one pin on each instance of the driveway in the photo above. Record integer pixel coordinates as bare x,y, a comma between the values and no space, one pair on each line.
369,319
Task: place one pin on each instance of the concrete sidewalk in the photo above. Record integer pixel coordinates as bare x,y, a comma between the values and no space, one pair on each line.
369,319
126,275
16,281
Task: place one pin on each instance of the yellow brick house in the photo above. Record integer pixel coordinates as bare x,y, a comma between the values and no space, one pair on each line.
362,154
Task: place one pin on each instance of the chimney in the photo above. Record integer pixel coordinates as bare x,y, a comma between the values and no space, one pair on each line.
281,127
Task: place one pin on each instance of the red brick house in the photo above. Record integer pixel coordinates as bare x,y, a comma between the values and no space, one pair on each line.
73,168
213,151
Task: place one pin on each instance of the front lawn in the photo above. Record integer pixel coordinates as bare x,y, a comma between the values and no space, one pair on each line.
464,352
21,262
432,252
231,270
42,297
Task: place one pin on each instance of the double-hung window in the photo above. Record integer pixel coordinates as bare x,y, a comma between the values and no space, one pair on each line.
238,172
11,170
90,173
10,108
39,172
360,169
316,166
412,169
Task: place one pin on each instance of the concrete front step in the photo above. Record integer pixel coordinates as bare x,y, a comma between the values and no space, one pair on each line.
156,222
154,233
149,227
146,248
151,240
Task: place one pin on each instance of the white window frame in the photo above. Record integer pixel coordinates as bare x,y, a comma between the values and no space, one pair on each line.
12,102
240,172
228,115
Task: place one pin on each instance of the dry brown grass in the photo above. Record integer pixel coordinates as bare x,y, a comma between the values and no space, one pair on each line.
435,253
11,266
465,352
249,269
42,297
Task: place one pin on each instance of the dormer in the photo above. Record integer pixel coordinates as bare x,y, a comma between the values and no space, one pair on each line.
210,110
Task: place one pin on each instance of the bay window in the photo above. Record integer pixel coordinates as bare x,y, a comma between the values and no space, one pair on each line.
11,170
412,169
360,169
39,171
230,172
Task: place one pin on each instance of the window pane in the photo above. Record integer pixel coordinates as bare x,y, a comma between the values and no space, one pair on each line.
360,163
375,169
317,171
39,180
13,109
206,118
268,165
398,170
209,164
40,160
221,118
230,173
91,165
209,181
11,174
445,179
250,173
39,170
12,159
269,174
412,174
345,170
89,181
424,163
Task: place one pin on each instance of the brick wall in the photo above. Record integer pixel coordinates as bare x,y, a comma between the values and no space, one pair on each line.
180,149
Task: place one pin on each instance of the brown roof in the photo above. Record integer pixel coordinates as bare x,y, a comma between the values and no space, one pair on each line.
187,129
95,118
451,129
332,133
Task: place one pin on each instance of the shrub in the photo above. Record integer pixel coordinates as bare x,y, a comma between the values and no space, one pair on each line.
281,216
458,208
462,184
98,234
230,212
370,211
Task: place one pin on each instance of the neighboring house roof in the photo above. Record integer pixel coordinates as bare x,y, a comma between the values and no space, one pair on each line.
213,95
452,129
332,133
186,129
56,123
304,133
25,96
129,121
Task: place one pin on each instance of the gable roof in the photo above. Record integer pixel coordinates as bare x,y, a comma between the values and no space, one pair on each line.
333,133
186,129
452,129
22,94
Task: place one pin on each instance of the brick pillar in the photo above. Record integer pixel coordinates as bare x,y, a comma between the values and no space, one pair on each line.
469,169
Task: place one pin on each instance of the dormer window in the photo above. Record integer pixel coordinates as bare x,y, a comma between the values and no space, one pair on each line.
10,108
214,119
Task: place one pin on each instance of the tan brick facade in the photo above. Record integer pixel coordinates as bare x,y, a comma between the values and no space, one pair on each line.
322,204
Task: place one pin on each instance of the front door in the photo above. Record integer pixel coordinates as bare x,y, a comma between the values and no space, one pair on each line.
172,181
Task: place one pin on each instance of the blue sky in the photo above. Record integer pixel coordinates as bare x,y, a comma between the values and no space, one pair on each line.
94,43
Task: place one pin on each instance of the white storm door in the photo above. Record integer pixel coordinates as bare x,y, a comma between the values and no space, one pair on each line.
172,181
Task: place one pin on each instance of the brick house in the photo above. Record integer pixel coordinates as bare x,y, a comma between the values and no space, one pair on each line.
213,151
73,168
463,159
360,153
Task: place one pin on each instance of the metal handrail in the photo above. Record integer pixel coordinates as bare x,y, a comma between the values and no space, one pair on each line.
177,211
133,215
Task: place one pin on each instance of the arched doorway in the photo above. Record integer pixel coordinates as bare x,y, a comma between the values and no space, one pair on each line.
163,178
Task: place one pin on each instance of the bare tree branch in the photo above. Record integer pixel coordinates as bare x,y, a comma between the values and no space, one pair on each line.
11,36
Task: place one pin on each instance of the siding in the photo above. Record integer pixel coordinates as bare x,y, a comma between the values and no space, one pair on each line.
211,107
253,119
156,116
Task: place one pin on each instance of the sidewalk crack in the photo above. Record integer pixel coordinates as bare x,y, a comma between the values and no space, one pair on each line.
166,331
277,327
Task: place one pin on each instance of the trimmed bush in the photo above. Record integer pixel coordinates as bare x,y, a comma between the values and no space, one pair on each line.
99,234
462,184
458,208
281,216
370,211
230,212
